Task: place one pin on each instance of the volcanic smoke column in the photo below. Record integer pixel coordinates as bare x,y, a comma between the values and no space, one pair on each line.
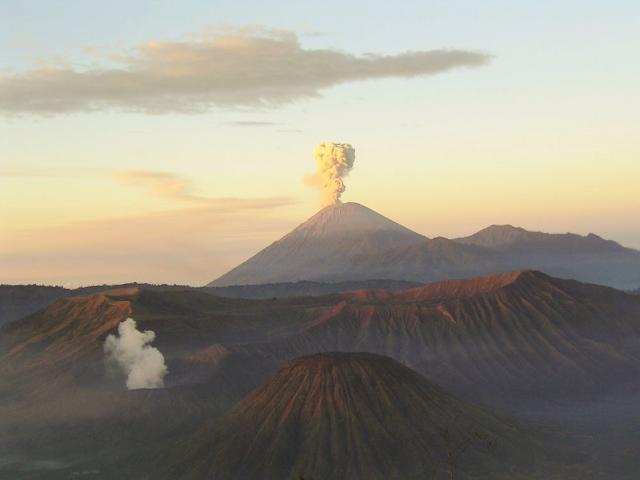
132,353
334,161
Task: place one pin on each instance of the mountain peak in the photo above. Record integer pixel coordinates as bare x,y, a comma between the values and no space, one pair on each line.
497,236
344,415
508,236
461,288
342,219
323,248
350,242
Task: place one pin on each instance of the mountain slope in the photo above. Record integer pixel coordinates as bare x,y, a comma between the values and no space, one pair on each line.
61,347
494,337
18,301
518,334
515,238
511,341
426,261
350,416
349,242
320,248
587,258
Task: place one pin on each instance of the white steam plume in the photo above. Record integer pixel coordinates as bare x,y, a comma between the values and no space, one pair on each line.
334,161
130,352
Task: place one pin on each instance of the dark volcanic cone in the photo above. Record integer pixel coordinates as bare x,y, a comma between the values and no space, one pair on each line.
351,416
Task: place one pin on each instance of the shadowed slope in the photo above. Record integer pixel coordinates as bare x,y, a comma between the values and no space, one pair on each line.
349,416
516,238
516,334
18,301
588,258
503,340
62,345
425,261
499,336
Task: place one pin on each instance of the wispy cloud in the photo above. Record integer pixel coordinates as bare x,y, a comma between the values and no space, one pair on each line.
220,68
191,244
179,188
252,123
161,183
168,185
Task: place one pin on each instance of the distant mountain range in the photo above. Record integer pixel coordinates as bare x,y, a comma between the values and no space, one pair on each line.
516,342
331,354
17,301
350,242
520,332
350,247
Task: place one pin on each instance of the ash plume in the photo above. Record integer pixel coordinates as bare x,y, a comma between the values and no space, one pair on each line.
132,353
334,161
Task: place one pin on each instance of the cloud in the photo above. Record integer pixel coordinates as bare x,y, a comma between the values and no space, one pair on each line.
247,67
161,183
132,353
252,123
291,130
164,184
177,187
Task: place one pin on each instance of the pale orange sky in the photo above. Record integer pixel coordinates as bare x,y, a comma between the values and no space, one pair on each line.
192,159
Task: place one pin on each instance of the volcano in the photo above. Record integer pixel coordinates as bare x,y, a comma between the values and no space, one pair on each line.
321,248
350,242
350,415
510,335
512,342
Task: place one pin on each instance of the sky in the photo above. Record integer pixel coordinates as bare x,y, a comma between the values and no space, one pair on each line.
165,142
